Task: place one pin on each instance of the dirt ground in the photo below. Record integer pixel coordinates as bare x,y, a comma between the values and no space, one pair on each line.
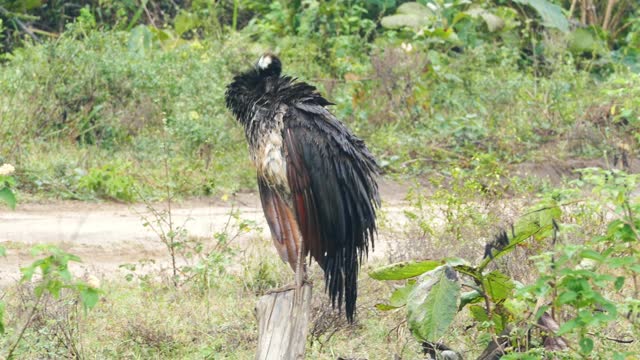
107,235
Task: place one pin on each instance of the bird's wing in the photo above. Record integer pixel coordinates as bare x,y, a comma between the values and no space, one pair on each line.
331,176
282,222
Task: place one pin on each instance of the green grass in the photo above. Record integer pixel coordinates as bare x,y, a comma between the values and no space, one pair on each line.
79,104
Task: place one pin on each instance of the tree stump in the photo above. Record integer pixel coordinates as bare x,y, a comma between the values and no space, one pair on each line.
283,320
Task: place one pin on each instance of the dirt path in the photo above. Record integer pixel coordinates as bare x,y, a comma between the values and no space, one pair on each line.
106,235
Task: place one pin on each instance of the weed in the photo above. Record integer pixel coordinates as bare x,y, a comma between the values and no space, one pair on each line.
53,300
110,182
6,183
575,299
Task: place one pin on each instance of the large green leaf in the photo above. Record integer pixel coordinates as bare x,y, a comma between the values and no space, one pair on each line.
6,196
140,40
404,270
433,304
538,222
498,286
494,22
185,21
582,40
551,14
409,14
89,297
400,295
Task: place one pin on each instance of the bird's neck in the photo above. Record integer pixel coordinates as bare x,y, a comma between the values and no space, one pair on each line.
247,93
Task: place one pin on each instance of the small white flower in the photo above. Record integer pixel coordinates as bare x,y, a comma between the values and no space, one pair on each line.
7,169
93,281
587,264
407,47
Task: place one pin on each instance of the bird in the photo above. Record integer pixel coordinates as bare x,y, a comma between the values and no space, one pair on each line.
317,180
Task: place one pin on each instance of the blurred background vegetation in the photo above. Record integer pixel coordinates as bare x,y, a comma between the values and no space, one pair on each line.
95,94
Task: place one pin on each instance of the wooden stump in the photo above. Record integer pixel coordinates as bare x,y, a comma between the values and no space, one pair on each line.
283,320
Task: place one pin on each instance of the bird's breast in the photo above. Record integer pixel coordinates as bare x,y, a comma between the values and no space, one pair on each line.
268,154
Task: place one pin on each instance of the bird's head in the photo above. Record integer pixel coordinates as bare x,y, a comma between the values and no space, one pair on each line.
269,65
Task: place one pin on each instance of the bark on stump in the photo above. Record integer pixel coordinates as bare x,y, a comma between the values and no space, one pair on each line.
283,320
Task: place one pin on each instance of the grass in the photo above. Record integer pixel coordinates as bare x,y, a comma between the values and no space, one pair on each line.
85,102
152,319
210,315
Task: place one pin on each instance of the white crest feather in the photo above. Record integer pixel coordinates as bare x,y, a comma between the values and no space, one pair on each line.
264,62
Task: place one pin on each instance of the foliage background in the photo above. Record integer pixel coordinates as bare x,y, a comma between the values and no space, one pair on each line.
90,86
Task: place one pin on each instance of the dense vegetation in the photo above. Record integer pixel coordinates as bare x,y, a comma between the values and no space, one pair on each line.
471,101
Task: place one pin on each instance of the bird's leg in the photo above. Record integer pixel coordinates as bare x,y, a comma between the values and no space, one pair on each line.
301,274
301,268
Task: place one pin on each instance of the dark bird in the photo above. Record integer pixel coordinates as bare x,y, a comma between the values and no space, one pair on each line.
317,180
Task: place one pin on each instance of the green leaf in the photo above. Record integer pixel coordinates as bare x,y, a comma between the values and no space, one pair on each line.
586,345
400,296
432,305
498,286
31,4
27,272
470,297
401,20
568,326
385,307
621,231
567,297
404,270
538,222
499,322
550,14
3,251
469,271
412,7
1,318
582,40
624,261
591,254
6,196
140,40
409,14
89,297
479,313
54,286
494,22
184,22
